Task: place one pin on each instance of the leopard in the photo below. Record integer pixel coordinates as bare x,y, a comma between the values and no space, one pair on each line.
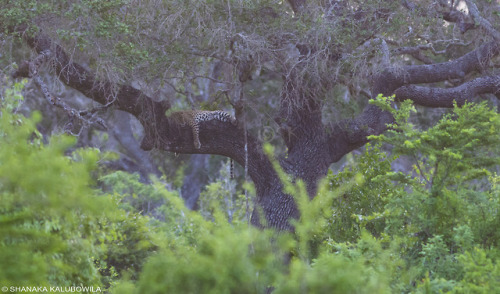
195,117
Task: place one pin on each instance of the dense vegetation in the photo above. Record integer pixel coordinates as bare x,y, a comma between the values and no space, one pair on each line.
365,136
67,222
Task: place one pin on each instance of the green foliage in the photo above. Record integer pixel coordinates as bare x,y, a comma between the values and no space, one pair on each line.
47,207
438,261
343,268
217,198
125,244
136,196
332,274
449,204
453,161
134,55
56,229
361,206
13,13
481,273
206,256
221,264
368,230
221,198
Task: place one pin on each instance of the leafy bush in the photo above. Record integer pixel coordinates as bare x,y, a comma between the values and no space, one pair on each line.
47,207
56,229
369,229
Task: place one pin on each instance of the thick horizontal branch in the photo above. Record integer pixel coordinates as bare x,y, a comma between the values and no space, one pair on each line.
217,137
475,61
440,97
351,134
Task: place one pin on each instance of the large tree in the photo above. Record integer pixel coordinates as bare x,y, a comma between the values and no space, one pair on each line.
289,68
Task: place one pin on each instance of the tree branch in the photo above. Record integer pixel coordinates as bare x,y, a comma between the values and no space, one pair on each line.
351,134
31,69
475,61
439,97
483,23
161,132
123,97
451,14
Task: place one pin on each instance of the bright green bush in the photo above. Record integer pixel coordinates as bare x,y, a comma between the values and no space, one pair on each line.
221,196
433,218
362,205
449,204
223,262
55,228
48,210
369,229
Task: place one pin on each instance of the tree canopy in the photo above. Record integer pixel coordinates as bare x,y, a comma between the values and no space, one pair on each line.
365,132
286,69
